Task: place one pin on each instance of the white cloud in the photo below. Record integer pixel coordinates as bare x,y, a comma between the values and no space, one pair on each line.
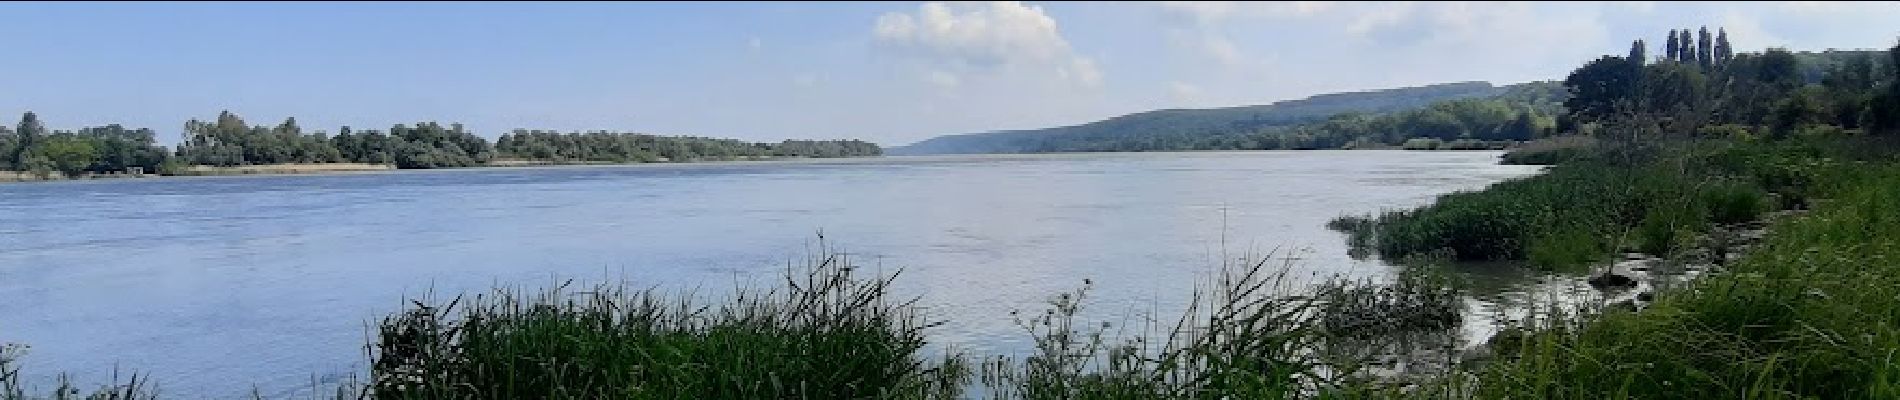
1211,12
1747,33
754,44
1641,6
1205,21
1814,6
984,37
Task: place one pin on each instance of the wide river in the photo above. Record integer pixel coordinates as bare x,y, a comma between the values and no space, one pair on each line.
214,286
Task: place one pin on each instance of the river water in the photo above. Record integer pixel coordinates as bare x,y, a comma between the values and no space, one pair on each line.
216,286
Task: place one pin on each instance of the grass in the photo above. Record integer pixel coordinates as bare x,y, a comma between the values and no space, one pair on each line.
1809,314
825,334
12,388
1651,200
1247,334
1550,151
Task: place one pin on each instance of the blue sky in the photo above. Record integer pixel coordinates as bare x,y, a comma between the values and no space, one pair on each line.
893,72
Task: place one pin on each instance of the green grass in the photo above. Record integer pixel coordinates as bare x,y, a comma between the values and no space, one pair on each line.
1652,199
825,334
135,387
1809,314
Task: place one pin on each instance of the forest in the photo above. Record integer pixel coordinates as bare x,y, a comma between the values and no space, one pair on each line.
229,141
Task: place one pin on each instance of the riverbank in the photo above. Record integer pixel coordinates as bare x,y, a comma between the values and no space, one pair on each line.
358,168
1806,313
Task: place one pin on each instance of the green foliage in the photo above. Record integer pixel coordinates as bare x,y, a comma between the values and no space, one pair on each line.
1809,314
1422,143
12,386
1324,121
1251,336
1550,150
1598,201
827,334
633,147
68,155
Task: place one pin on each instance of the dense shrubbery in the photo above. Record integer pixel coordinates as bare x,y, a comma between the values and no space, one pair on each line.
1585,209
633,147
105,149
229,141
828,334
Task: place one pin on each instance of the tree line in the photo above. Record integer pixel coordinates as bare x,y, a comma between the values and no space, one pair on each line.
604,146
1700,86
1521,112
230,141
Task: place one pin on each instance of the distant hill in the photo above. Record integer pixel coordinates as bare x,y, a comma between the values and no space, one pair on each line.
1192,124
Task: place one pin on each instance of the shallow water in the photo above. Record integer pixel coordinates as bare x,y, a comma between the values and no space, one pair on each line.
213,285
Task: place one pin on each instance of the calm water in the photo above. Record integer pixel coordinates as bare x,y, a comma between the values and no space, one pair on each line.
218,284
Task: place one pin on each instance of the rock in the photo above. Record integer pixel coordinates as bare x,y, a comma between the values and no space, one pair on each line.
1635,256
1612,280
1646,296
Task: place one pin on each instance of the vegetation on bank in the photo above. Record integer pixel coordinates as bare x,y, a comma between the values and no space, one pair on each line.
1322,121
229,141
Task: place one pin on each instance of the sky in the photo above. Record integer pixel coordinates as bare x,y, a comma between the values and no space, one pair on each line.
888,72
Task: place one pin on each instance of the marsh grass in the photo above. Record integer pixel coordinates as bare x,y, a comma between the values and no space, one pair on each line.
1249,332
1653,199
12,385
826,333
1809,314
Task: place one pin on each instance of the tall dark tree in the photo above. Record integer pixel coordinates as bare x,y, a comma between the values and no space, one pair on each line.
1601,87
1723,51
1686,54
1705,49
29,133
1672,51
1639,52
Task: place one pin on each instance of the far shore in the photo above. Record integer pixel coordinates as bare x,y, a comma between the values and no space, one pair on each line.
318,169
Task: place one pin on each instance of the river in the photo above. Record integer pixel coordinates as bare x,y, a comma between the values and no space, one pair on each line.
214,286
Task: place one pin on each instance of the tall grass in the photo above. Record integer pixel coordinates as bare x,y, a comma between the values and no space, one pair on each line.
12,385
1249,333
1652,201
825,334
1809,314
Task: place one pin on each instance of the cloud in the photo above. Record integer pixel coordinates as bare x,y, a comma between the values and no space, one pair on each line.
1201,24
1213,12
754,44
984,37
1747,32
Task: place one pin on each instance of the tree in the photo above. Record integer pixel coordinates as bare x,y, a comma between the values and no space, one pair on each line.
1705,50
1779,68
1522,128
1599,86
1723,51
1686,54
1672,50
28,134
1639,52
69,154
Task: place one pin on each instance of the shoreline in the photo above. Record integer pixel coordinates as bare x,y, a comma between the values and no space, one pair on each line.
17,177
